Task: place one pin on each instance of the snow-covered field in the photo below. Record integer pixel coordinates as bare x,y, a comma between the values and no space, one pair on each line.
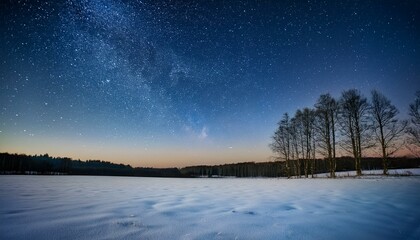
77,207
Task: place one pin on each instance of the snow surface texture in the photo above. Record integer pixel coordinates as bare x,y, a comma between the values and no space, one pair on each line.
77,207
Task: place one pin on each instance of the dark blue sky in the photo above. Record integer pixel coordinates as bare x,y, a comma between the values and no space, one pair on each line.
173,83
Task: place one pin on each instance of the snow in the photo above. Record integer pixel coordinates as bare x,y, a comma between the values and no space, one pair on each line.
89,207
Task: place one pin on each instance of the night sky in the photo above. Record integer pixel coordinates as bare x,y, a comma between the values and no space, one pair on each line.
175,83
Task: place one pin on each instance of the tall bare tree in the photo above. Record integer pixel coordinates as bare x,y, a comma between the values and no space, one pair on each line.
295,134
413,129
326,119
281,144
305,128
353,120
309,132
386,127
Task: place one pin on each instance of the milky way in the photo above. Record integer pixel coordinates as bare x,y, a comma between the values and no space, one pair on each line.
171,82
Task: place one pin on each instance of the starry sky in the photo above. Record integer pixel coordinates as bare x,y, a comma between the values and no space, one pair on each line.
176,83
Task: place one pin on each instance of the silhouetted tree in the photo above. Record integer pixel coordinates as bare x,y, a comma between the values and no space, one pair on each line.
307,118
281,142
413,129
386,127
353,120
326,118
296,136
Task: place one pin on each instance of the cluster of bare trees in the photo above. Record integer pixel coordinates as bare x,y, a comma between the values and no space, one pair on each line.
413,129
351,124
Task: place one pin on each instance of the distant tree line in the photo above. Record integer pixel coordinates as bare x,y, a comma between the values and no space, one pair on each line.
351,124
44,164
246,169
279,168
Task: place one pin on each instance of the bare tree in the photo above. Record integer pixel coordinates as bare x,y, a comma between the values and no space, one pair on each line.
413,129
386,127
309,120
353,120
326,118
305,128
281,142
295,134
